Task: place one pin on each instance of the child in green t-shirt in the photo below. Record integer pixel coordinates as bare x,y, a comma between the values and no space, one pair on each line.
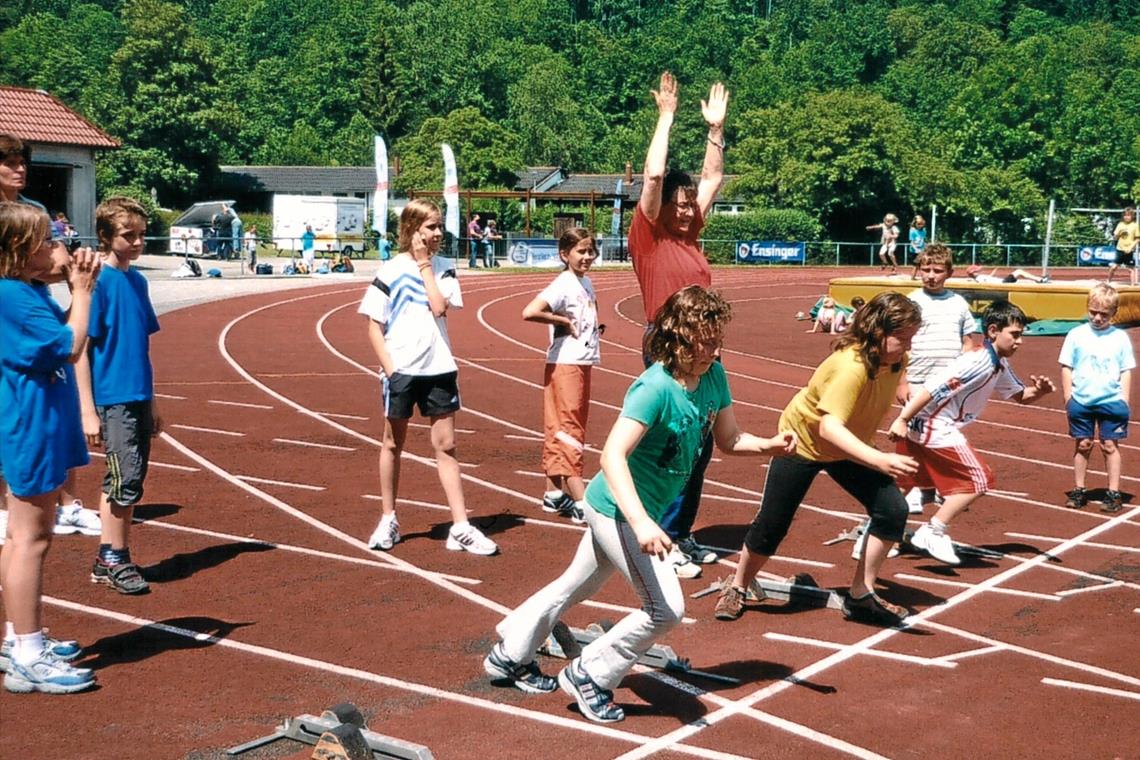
646,462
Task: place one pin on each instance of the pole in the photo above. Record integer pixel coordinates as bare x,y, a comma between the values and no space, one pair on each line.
933,222
1048,238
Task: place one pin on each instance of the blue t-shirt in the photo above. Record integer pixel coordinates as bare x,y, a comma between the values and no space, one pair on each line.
41,436
122,321
917,239
677,422
1097,358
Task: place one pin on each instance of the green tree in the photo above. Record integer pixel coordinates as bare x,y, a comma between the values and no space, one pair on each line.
486,154
555,127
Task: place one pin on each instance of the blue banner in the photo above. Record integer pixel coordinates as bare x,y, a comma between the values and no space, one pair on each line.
770,252
534,252
1096,255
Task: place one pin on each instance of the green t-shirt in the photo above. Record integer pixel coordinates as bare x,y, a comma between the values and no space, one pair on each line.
677,422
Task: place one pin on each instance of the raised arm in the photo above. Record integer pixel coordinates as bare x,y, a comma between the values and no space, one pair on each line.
658,155
712,172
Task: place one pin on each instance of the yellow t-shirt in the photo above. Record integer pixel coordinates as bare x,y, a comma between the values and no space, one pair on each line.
1129,233
842,387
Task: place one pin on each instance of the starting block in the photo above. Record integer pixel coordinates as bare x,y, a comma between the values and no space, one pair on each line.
800,590
339,733
566,643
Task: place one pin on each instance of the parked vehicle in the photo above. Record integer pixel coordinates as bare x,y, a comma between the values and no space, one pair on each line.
190,233
337,222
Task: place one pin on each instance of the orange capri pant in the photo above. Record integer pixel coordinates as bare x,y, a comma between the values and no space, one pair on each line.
566,407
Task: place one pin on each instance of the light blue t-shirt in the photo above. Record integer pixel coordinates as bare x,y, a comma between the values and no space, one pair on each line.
677,422
122,321
917,239
41,437
1097,357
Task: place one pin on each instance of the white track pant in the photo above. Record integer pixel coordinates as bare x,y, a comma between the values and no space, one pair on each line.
607,546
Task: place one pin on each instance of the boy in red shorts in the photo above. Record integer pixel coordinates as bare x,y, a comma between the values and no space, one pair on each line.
929,427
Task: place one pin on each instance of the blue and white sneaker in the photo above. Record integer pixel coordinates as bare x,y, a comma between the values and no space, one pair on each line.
526,677
596,703
47,675
65,651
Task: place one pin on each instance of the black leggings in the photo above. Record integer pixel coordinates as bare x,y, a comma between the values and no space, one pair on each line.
788,481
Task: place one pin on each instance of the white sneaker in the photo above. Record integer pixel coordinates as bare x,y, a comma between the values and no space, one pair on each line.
386,535
936,545
682,565
73,518
857,549
470,539
914,501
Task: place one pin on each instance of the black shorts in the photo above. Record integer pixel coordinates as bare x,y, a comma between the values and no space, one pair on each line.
435,395
127,430
1126,259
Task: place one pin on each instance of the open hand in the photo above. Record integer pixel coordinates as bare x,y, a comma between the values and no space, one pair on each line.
666,97
715,108
897,465
1041,384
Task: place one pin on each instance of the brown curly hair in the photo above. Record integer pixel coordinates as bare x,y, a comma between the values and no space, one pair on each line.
885,314
688,316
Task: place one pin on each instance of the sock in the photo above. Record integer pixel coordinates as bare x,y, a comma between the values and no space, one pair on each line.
937,527
27,647
386,519
109,556
459,527
9,631
554,495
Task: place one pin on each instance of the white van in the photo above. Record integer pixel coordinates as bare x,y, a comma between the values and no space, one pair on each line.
337,222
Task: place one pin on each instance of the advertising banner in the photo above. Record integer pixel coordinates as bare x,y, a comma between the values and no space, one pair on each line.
770,252
450,191
1096,256
534,252
380,209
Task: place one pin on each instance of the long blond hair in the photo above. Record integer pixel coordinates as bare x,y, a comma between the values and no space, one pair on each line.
414,214
23,229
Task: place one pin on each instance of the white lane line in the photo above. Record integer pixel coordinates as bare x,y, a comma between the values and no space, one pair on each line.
1086,589
431,577
1089,687
671,738
465,431
295,549
238,403
961,584
821,644
972,653
467,700
311,444
282,483
1093,544
169,396
344,416
528,438
208,430
152,463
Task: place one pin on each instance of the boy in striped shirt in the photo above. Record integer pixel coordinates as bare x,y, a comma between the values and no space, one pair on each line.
929,427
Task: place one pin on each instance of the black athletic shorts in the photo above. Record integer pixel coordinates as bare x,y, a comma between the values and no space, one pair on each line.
435,395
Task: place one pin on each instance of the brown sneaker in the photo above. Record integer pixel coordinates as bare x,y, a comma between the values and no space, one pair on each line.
730,605
872,608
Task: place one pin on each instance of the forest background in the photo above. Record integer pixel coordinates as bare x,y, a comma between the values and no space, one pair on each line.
840,110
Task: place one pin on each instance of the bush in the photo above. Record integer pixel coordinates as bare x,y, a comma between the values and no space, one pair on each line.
723,230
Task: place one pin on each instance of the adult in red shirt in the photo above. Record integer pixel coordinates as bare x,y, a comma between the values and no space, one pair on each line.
666,257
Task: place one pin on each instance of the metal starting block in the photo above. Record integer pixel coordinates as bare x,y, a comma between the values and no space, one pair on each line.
566,642
853,534
339,733
801,590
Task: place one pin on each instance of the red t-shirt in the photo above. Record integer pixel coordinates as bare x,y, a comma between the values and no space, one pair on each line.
663,263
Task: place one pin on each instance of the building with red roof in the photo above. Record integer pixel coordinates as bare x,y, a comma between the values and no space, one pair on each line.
63,146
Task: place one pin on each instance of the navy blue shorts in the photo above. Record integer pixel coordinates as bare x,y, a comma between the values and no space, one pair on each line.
1111,418
435,395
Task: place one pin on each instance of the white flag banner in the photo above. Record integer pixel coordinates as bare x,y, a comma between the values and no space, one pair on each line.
380,199
450,191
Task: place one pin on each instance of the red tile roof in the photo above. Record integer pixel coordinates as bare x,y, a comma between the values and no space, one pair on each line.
37,117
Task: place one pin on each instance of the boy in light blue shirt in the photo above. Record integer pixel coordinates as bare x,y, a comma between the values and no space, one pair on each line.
1096,376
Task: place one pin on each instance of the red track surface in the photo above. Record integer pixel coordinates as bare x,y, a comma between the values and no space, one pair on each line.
239,634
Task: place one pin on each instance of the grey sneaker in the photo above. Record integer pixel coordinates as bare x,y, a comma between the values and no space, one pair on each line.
564,506
526,677
125,577
596,703
698,553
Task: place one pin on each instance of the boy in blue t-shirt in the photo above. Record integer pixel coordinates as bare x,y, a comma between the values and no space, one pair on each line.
118,397
1096,376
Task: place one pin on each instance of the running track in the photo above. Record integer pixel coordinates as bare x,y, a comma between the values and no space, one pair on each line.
267,604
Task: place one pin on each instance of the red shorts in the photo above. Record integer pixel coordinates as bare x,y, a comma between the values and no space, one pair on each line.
566,407
952,470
